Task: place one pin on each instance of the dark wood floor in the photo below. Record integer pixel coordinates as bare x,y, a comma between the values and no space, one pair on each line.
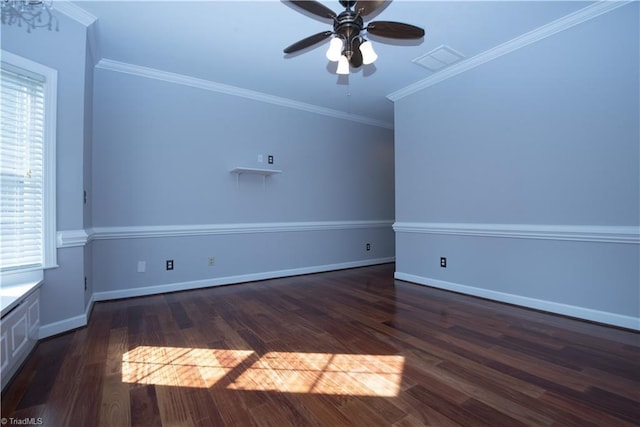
351,347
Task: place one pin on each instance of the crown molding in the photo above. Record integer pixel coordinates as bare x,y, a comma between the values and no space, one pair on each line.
74,12
166,76
592,11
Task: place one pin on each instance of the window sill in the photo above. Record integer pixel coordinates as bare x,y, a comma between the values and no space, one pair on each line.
12,296
15,286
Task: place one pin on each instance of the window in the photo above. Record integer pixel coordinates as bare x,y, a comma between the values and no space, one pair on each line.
27,166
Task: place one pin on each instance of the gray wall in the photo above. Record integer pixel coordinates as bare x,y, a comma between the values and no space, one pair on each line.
161,158
540,145
62,295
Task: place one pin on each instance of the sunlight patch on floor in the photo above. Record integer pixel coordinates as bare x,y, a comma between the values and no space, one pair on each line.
324,373
179,366
285,372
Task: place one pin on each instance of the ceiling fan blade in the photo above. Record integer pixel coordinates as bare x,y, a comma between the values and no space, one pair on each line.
309,41
314,7
367,7
394,30
356,55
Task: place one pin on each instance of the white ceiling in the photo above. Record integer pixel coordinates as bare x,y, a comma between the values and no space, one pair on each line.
240,43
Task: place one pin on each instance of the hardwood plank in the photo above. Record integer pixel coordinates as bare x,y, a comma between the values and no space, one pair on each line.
180,315
144,406
421,412
85,407
451,409
280,410
231,407
172,407
360,414
115,407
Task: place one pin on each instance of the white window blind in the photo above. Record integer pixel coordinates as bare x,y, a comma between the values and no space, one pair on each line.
21,170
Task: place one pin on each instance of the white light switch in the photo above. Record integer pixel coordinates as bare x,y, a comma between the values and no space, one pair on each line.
260,158
142,266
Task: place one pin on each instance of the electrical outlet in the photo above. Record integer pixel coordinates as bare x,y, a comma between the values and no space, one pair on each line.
368,247
212,261
169,264
443,262
270,159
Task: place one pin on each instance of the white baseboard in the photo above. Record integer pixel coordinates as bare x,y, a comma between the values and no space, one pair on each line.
61,326
65,325
88,308
550,306
229,280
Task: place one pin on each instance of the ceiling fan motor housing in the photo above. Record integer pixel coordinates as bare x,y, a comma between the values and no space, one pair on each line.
348,25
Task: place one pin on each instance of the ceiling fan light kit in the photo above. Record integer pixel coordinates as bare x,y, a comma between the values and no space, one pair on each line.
335,49
343,66
369,56
348,47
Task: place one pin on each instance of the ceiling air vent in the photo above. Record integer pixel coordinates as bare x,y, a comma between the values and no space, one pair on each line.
439,58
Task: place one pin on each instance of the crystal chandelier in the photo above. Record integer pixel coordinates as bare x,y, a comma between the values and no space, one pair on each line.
33,13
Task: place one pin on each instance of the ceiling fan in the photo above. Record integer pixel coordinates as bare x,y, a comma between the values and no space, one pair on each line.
348,45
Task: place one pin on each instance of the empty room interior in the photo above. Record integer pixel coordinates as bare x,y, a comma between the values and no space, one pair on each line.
376,213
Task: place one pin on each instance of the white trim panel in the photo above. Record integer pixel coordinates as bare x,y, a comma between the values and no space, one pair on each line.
576,233
229,280
549,306
166,76
593,10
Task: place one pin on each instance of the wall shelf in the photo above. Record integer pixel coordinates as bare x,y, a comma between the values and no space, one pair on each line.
256,171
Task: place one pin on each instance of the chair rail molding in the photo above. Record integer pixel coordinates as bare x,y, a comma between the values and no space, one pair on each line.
153,231
576,233
76,238
72,238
